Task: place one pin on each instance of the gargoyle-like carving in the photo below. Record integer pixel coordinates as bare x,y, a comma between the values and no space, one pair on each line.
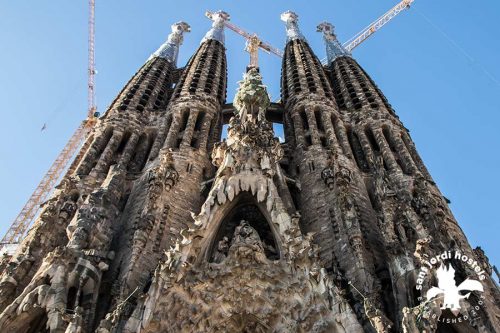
328,177
343,176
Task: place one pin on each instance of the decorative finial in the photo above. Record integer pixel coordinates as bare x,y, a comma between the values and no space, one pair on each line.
292,28
252,97
333,47
170,49
217,30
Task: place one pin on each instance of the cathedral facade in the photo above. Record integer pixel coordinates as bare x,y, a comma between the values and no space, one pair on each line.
160,225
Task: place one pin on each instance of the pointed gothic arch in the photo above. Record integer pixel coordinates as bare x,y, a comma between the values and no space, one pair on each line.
34,321
246,209
227,217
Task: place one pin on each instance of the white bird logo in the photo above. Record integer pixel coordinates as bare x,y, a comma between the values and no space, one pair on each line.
448,287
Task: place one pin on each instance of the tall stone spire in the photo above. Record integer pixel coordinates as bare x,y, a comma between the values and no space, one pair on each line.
217,30
170,49
296,83
160,225
292,28
334,48
245,241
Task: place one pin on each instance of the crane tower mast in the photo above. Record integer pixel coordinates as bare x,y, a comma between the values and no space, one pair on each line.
92,107
22,222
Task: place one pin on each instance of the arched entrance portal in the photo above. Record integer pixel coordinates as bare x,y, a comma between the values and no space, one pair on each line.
247,210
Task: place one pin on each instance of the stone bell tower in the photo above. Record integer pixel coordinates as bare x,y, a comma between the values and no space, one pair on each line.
160,225
62,277
245,265
333,199
407,219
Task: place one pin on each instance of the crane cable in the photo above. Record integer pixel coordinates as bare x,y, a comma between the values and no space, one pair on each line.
460,49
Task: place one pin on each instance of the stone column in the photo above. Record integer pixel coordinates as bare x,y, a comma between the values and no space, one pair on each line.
173,131
404,153
313,128
129,150
98,145
299,129
188,132
329,130
204,132
342,136
385,150
107,154
367,149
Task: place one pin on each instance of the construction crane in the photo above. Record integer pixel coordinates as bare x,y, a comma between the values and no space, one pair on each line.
253,42
28,213
352,43
22,222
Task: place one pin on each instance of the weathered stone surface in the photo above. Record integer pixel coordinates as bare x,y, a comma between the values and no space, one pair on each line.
161,226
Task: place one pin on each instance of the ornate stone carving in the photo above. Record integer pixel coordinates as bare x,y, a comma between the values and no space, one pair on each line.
238,257
377,318
328,178
483,260
246,244
191,278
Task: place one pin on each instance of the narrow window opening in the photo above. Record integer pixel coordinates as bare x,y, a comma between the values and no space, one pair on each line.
373,200
303,117
323,140
386,167
372,140
308,140
194,141
199,121
185,117
71,301
39,324
178,142
123,143
295,194
319,121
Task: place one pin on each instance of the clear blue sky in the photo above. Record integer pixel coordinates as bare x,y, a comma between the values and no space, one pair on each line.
437,64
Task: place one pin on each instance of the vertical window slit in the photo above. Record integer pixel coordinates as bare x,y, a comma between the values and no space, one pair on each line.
372,140
319,121
303,117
